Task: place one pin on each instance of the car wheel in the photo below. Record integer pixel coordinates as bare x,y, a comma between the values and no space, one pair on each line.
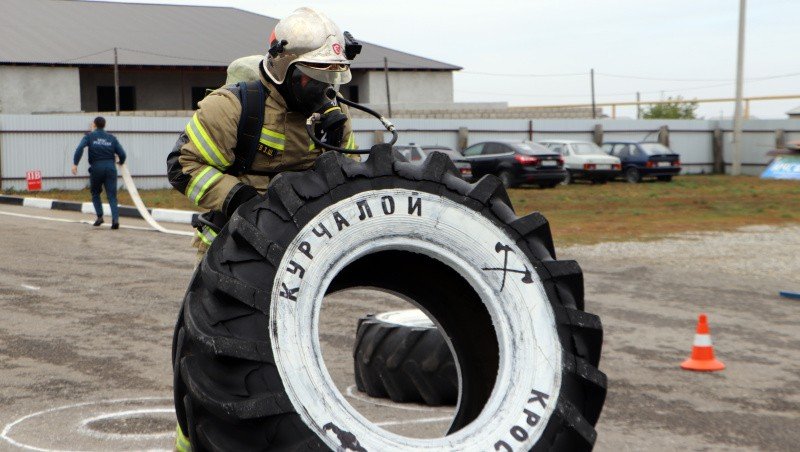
664,178
506,178
568,178
632,175
248,353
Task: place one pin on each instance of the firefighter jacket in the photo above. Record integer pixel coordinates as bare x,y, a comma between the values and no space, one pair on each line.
205,150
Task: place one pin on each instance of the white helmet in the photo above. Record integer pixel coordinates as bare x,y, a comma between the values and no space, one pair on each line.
313,42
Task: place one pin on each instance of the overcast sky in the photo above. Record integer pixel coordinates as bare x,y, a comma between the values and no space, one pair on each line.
690,44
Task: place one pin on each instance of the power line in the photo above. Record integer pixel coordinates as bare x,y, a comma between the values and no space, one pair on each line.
145,53
572,74
659,79
174,56
576,96
85,56
626,76
752,79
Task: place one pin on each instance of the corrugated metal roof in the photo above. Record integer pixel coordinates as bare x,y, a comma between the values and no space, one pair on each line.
76,32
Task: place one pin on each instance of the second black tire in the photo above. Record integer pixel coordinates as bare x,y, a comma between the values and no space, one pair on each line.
403,356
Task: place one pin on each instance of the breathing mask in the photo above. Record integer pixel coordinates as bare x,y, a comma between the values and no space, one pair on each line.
306,94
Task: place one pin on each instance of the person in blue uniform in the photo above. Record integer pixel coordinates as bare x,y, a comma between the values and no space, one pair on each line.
103,147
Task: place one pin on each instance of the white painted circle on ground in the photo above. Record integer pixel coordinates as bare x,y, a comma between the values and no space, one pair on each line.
70,428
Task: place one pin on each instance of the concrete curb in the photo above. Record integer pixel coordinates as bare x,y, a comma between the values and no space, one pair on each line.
167,215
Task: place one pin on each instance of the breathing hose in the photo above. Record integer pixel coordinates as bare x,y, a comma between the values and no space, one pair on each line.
316,117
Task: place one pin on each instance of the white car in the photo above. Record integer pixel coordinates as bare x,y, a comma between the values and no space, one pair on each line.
585,160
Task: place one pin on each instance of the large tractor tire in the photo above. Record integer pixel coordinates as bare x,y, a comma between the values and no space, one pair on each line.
403,356
249,372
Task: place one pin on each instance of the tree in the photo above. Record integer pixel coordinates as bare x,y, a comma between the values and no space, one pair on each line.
672,109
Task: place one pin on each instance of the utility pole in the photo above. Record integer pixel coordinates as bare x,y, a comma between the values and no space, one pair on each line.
386,75
638,105
736,167
116,81
594,113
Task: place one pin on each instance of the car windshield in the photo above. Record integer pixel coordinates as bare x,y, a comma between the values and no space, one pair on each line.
529,148
450,152
655,148
586,148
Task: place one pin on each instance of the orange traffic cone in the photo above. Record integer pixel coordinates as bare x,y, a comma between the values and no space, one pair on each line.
702,358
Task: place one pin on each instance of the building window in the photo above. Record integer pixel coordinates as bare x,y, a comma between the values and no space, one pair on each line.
353,95
105,98
199,93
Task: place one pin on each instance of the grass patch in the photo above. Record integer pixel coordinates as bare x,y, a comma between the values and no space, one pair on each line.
583,213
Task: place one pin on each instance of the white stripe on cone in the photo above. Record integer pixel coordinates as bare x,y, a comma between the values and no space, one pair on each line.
702,340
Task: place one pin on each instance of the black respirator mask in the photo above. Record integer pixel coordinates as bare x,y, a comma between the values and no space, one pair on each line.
307,95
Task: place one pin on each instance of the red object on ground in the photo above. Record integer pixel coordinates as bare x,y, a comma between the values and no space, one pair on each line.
702,358
34,178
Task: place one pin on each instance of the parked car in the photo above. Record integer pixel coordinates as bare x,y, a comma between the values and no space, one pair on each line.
414,153
516,162
585,160
647,159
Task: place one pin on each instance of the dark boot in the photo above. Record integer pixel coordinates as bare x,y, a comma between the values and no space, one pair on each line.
114,225
98,221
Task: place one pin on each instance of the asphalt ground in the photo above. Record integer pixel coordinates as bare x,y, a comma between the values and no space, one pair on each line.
86,318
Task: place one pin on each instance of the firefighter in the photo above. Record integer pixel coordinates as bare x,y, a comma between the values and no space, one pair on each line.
307,55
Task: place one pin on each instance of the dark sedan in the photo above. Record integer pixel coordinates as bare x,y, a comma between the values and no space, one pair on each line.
516,162
645,160
415,153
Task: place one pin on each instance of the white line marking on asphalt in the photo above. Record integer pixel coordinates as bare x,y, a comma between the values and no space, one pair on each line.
86,430
350,391
64,220
8,427
25,286
426,420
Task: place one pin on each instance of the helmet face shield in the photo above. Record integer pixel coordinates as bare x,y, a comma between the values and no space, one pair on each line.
308,94
332,74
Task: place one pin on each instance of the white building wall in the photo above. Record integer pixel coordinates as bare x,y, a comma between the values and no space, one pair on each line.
409,89
29,89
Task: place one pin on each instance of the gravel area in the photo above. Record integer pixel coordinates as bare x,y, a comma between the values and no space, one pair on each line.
648,295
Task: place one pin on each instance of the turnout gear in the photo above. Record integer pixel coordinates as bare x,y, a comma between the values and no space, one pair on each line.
232,148
202,163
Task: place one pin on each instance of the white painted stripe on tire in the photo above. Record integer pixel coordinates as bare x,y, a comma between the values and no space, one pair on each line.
406,317
530,350
426,420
